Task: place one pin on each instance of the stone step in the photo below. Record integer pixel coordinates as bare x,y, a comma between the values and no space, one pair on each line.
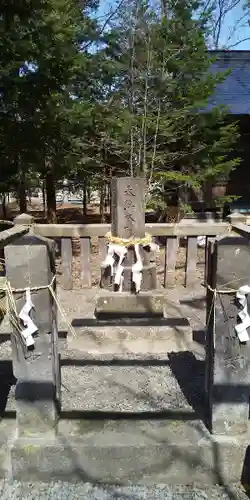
135,386
126,337
135,452
123,335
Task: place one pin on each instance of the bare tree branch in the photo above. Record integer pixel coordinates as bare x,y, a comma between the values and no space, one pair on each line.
238,43
222,12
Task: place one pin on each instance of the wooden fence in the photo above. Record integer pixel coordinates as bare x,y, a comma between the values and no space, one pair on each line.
169,235
84,234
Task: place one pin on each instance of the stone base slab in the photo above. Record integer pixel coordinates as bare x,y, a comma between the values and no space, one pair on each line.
127,341
145,325
116,304
135,452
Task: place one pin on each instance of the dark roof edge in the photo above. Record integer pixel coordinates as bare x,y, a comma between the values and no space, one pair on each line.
217,51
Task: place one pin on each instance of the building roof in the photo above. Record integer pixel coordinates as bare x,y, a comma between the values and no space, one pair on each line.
234,92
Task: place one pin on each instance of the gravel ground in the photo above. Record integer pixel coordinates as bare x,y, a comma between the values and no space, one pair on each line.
131,388
67,491
149,388
175,383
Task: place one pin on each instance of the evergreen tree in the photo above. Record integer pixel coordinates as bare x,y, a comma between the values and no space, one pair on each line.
43,68
159,120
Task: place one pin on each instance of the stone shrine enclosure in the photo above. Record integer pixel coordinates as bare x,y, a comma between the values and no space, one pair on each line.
130,394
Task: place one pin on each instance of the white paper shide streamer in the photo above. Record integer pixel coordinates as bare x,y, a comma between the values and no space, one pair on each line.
241,328
117,273
30,327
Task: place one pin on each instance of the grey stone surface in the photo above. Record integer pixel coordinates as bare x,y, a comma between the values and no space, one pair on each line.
125,336
30,263
229,360
138,452
24,219
147,448
146,303
127,221
127,207
36,409
127,340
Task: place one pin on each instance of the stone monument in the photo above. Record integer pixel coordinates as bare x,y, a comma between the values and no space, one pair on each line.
128,223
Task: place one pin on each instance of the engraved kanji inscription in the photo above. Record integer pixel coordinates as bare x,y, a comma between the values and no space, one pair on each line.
129,191
129,210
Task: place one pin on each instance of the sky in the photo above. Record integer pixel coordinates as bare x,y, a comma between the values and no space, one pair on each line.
231,18
243,32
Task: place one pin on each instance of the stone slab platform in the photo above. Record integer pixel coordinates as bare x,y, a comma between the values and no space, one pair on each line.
165,330
133,339
128,452
119,337
115,304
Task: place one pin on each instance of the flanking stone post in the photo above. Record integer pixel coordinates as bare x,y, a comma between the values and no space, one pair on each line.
30,263
128,221
227,359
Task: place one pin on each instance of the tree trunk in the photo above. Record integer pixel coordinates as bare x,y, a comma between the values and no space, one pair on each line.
4,209
102,197
88,193
22,193
109,198
51,198
106,197
85,199
44,199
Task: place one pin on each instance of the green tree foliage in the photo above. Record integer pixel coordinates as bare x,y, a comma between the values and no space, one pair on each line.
84,102
160,126
43,68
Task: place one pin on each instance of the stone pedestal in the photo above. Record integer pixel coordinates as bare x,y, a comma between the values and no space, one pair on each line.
30,263
227,360
128,305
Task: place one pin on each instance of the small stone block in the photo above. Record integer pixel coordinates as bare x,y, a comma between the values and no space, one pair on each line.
24,220
115,304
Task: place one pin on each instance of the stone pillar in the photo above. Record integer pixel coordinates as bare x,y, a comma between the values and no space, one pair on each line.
227,360
128,221
30,263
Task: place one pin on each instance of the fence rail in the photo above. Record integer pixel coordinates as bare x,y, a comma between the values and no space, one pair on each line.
169,235
99,230
91,244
